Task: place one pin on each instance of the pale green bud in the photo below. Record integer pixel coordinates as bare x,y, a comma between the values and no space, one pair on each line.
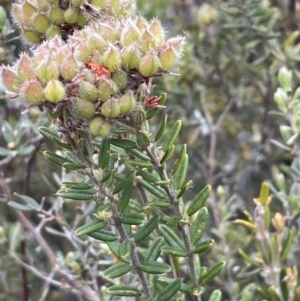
285,79
54,91
149,64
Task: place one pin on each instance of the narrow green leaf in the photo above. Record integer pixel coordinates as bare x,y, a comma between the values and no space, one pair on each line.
147,176
183,287
172,135
14,235
203,246
180,175
19,206
133,218
108,169
55,158
104,235
74,194
154,249
212,272
123,143
142,139
77,185
124,251
168,220
171,237
168,154
72,158
180,160
73,166
199,225
53,136
91,227
249,259
117,270
145,230
177,252
103,156
155,190
124,291
142,164
216,295
170,290
4,152
125,197
159,204
123,183
184,188
199,200
28,200
154,267
139,154
288,243
161,128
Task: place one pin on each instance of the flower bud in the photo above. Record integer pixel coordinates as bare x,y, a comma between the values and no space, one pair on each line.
84,109
285,79
176,43
131,56
32,91
120,77
148,41
56,16
157,30
28,10
88,91
77,3
112,58
71,15
52,31
95,42
286,132
47,70
98,174
3,17
40,23
127,103
278,222
10,79
167,58
107,87
110,108
130,34
89,76
32,36
99,127
54,91
42,5
98,3
17,13
25,67
149,64
280,98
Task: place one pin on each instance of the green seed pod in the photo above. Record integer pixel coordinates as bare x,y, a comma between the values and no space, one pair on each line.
120,77
141,23
110,108
167,58
148,41
62,53
28,10
3,17
10,79
95,42
42,5
89,76
54,91
112,58
32,91
52,31
88,91
130,34
127,103
157,30
32,36
107,87
25,67
149,64
40,23
77,3
98,3
84,109
47,70
70,67
56,16
71,15
99,127
131,56
17,13
176,43
83,19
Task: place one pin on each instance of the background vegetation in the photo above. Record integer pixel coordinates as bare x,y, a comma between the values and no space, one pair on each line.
238,138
